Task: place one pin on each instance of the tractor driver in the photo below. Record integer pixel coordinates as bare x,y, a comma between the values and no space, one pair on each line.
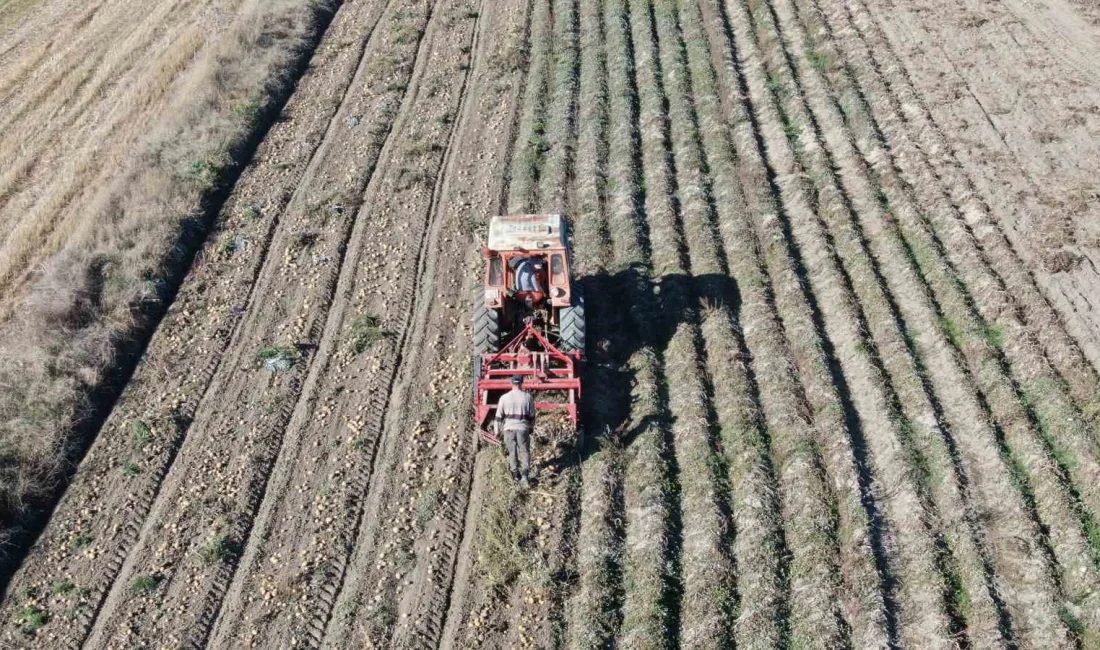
527,271
515,420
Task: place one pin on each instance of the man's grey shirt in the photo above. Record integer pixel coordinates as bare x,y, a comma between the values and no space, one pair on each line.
516,410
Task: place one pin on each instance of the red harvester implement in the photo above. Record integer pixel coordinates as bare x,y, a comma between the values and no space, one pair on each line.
546,371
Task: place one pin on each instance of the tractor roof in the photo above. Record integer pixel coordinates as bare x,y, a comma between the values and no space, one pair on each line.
526,231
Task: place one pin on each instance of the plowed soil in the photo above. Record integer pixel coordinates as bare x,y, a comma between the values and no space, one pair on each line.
841,265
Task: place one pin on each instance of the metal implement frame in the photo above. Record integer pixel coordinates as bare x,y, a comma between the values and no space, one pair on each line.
543,370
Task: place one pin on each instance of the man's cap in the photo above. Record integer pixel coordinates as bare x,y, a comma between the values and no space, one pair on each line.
517,379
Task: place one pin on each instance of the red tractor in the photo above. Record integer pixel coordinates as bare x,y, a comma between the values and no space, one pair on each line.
529,319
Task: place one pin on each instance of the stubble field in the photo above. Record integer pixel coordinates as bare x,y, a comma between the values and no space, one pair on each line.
839,259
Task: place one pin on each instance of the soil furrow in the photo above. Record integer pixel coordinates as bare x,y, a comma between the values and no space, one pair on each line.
1048,482
559,192
473,189
710,586
882,449
934,452
809,507
652,493
420,502
1030,347
526,162
556,176
520,535
876,313
461,588
594,612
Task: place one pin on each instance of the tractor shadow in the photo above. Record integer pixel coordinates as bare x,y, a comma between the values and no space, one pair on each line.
631,313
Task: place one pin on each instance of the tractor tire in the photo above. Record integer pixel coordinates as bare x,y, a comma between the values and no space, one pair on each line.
572,324
486,329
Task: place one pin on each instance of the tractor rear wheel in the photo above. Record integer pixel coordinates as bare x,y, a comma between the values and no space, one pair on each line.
572,323
486,328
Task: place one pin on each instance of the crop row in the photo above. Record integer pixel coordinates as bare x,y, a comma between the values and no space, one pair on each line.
919,374
998,352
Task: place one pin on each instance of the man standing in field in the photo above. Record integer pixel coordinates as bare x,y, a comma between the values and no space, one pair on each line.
515,420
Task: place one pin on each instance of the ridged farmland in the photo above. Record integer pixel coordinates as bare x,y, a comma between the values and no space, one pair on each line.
840,264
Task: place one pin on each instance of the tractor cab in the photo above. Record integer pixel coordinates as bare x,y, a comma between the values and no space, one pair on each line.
527,260
528,317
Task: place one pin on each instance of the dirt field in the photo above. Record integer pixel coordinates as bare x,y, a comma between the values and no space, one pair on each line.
840,258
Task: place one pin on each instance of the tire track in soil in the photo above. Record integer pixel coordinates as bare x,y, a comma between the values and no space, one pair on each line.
327,587
489,606
323,574
326,546
540,599
228,514
527,608
462,594
545,520
470,190
102,510
474,188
